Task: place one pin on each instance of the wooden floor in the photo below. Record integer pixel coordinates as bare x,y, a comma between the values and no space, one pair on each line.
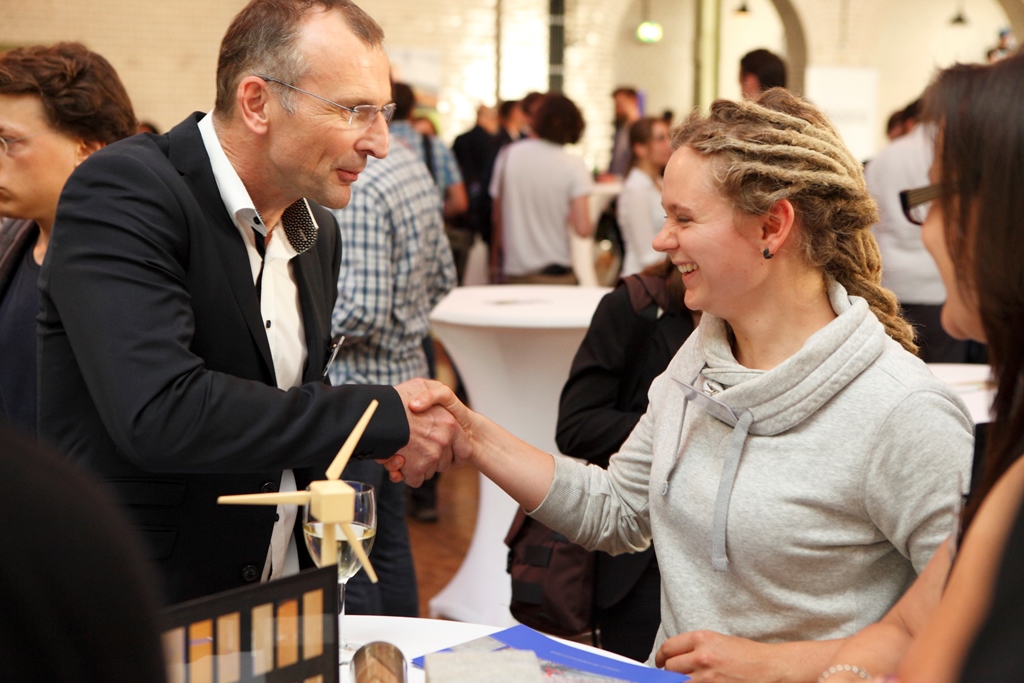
438,547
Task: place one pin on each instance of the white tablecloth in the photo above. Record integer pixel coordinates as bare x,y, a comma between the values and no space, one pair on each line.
513,346
971,382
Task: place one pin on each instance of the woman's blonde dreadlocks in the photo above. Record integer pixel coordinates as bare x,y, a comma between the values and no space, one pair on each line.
781,147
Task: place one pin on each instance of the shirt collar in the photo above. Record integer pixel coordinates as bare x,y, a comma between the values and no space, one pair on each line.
232,191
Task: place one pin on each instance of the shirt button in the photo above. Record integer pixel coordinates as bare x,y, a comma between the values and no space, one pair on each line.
250,573
269,487
268,324
664,488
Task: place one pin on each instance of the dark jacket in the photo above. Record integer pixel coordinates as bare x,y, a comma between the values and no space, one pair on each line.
15,236
155,369
626,347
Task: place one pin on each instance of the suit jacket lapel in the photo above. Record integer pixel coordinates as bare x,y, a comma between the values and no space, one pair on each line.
314,321
188,154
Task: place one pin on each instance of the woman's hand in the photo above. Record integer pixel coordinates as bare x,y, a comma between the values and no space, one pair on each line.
709,657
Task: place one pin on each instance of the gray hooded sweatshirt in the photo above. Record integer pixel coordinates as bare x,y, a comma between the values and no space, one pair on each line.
800,503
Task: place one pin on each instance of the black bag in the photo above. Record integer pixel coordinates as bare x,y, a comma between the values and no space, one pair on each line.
608,229
609,248
552,579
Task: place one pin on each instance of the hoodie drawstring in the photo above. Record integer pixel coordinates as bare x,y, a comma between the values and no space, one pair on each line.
719,559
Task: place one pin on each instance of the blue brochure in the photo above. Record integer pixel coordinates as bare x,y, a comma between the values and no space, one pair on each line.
566,663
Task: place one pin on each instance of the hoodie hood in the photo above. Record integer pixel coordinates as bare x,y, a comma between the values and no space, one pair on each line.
765,403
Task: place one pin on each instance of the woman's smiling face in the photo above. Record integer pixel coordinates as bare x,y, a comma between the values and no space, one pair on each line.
712,245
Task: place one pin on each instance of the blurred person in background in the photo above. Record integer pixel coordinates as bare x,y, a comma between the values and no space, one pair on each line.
431,150
529,106
475,151
538,190
627,112
907,268
511,121
638,206
58,105
79,598
761,70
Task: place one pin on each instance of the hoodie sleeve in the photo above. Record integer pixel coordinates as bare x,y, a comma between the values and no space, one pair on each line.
604,509
918,469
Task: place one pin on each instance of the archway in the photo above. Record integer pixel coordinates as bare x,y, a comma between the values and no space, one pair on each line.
796,44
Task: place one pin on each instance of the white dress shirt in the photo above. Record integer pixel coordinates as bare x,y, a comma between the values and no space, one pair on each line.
282,316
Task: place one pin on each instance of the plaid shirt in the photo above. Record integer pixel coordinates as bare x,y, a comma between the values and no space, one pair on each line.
446,167
396,265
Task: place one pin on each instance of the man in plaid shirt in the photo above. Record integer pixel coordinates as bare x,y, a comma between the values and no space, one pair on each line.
396,265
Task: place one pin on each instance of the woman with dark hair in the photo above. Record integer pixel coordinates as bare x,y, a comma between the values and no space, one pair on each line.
796,466
971,218
539,189
58,105
638,206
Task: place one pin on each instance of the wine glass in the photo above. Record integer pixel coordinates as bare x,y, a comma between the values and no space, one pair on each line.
364,524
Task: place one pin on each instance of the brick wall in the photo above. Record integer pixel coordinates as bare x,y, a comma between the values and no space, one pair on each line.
166,52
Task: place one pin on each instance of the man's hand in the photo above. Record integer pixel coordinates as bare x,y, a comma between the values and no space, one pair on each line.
432,433
710,657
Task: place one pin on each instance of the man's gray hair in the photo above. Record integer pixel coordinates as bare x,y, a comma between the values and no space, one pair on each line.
263,39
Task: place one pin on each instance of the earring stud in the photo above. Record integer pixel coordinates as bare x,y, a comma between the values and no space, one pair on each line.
767,254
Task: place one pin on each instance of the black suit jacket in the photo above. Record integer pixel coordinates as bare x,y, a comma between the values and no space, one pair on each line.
475,151
154,366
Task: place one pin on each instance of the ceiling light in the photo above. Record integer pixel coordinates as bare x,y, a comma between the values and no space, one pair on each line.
648,31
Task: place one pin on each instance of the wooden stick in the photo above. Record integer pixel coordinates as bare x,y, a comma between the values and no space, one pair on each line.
357,546
341,459
277,498
329,545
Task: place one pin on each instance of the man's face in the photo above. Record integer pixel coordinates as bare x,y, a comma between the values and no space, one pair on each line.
313,151
625,108
750,85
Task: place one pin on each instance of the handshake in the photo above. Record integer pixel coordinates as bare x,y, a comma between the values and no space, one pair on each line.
443,432
440,429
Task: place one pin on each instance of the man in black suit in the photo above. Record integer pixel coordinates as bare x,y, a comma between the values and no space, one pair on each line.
474,151
187,295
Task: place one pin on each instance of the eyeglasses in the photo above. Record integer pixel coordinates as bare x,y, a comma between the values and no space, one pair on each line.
359,116
5,143
916,203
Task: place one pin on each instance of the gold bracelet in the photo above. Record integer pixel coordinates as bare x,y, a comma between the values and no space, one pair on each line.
840,668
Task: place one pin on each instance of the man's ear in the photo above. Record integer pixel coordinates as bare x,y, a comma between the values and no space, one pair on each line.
777,226
252,98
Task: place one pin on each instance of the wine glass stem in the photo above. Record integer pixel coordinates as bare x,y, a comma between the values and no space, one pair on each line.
341,613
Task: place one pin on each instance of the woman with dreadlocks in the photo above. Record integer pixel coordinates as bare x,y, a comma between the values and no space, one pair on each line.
795,467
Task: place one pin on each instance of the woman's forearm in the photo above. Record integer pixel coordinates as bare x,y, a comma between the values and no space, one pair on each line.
522,471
